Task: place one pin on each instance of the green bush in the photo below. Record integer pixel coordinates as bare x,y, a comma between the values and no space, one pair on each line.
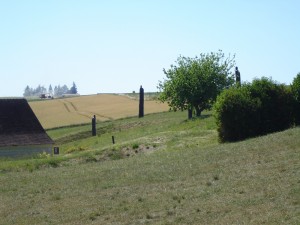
276,112
236,114
295,87
253,109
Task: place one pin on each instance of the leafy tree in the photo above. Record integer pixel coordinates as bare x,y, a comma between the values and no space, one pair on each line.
196,82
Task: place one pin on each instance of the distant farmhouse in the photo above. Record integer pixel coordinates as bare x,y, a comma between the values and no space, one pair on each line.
20,131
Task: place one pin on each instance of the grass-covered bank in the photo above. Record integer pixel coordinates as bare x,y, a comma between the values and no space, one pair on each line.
189,179
132,136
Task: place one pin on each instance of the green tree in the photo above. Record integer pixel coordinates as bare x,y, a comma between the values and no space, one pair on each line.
50,90
196,82
27,91
73,89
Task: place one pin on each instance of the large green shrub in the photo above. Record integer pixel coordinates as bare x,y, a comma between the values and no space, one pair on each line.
236,114
253,109
276,111
296,93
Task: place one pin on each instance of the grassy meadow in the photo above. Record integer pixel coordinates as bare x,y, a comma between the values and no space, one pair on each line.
80,110
163,169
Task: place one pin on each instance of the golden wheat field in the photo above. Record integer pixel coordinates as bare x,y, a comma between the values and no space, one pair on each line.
78,110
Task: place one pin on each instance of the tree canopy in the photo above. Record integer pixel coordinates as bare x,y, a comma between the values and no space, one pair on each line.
196,82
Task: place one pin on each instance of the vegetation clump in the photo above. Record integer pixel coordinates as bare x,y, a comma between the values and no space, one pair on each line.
254,109
296,93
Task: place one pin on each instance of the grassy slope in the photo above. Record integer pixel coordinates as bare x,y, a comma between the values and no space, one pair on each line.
189,179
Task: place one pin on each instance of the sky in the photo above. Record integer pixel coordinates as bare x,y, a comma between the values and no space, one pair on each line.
117,45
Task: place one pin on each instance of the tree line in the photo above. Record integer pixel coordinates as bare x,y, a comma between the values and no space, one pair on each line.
50,92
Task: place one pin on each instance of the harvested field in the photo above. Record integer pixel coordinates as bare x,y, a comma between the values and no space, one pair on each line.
78,110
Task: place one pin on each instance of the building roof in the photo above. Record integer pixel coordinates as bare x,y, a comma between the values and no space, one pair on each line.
19,126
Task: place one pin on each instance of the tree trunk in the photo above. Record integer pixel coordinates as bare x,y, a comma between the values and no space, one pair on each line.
198,111
190,113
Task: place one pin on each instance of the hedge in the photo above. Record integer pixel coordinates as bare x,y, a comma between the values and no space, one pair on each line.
253,110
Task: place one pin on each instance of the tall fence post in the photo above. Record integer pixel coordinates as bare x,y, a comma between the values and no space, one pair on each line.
141,105
94,126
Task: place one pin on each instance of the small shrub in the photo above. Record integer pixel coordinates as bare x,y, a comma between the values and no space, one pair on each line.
115,155
43,155
135,146
53,163
75,149
91,158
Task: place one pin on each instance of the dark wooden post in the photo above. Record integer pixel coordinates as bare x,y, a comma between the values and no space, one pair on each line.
113,139
94,126
141,105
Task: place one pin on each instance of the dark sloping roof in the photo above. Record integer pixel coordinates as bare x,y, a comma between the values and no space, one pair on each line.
19,125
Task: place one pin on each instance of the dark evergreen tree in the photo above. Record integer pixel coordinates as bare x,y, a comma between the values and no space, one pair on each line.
73,89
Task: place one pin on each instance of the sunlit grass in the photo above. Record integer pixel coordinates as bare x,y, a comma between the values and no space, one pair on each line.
163,169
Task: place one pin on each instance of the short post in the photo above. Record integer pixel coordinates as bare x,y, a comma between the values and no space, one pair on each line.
113,139
94,126
141,105
56,150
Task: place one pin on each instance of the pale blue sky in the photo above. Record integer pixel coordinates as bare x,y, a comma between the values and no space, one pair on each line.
116,46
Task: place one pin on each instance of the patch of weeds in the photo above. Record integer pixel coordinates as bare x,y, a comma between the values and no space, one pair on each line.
209,183
149,217
170,212
31,167
53,163
43,155
56,197
178,198
135,146
179,219
216,177
93,216
115,155
76,149
71,150
91,158
140,199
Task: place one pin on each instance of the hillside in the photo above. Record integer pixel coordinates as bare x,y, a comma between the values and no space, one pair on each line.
80,110
162,170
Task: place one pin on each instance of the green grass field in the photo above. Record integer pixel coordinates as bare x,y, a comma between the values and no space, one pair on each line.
163,169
